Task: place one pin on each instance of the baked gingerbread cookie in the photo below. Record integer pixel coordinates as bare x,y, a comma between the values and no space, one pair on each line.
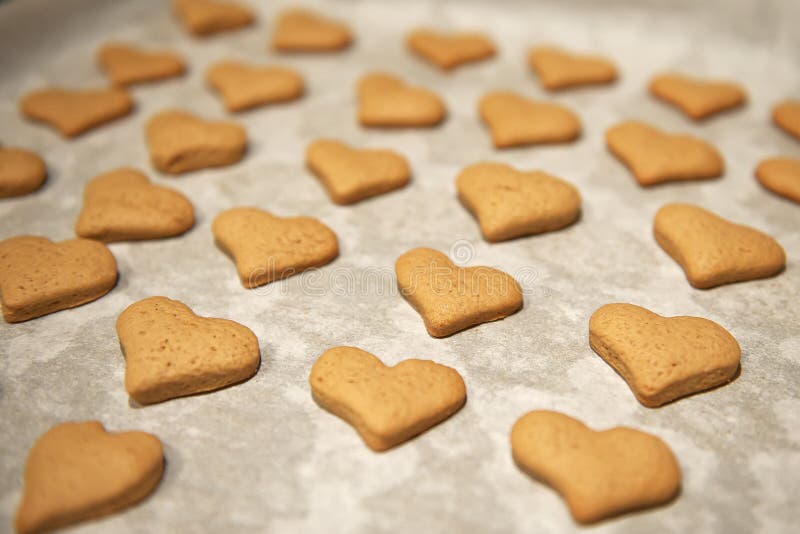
207,17
515,120
79,471
73,111
713,251
181,142
386,405
663,358
386,101
561,69
170,352
244,86
125,64
509,203
122,205
38,276
451,298
21,172
351,174
697,98
266,248
448,50
303,30
781,176
598,474
655,157
786,115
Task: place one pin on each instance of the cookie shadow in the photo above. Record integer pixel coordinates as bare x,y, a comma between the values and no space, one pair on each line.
614,516
132,403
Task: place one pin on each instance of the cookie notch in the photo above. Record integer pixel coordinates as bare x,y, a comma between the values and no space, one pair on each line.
713,251
39,277
663,358
600,474
386,405
171,352
655,157
267,248
448,50
350,175
509,203
559,69
79,471
450,298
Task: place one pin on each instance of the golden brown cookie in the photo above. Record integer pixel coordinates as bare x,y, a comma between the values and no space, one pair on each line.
266,248
449,50
385,100
663,358
713,251
697,98
655,157
38,276
207,17
781,176
351,174
170,352
786,114
559,69
509,203
73,111
451,298
78,471
126,64
303,30
517,121
243,86
21,172
181,142
386,405
598,474
123,205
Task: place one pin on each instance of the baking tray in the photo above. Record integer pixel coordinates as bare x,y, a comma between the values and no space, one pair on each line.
262,456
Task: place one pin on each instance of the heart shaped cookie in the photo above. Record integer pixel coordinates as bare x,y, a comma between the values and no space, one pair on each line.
787,115
385,100
78,471
599,474
779,175
180,142
125,64
170,352
713,251
38,276
123,205
245,87
451,298
655,157
559,69
386,405
303,30
73,111
21,172
697,98
517,121
350,174
449,50
266,248
207,17
663,358
509,203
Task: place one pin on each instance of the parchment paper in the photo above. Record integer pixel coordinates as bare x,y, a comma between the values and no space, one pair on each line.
261,456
